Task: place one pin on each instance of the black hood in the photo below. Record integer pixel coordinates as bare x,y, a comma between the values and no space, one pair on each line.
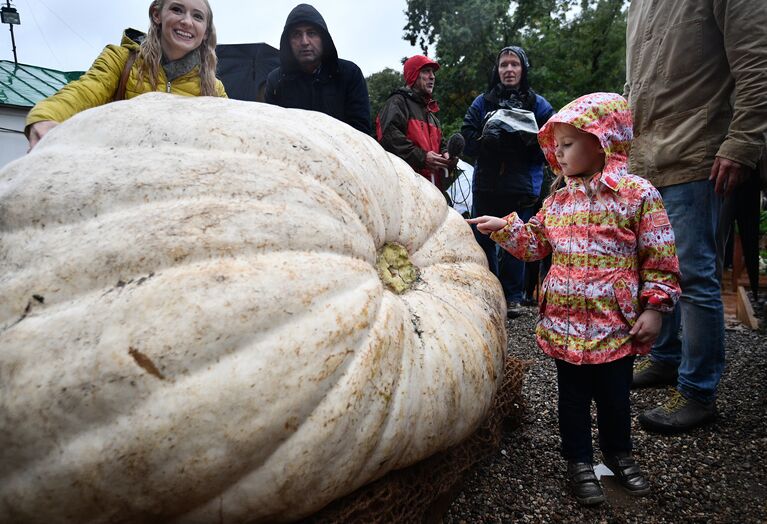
306,14
135,35
495,79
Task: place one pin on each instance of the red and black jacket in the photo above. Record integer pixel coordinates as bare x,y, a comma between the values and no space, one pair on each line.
408,127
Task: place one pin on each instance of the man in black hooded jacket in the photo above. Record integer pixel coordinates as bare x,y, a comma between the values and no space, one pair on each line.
311,76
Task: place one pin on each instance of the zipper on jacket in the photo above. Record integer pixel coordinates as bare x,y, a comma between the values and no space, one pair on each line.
574,198
167,87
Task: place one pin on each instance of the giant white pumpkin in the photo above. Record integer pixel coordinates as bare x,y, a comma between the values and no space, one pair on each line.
226,311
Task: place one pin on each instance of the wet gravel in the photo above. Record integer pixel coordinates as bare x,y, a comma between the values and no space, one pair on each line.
716,473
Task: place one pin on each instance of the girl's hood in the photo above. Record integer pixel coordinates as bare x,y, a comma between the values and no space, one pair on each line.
604,115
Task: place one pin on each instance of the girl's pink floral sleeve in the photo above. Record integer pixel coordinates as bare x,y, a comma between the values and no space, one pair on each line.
525,241
658,264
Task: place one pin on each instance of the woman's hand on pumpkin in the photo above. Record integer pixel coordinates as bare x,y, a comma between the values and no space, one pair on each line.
647,327
487,224
38,130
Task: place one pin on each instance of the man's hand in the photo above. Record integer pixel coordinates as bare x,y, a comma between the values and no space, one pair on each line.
486,224
38,131
647,326
727,175
436,161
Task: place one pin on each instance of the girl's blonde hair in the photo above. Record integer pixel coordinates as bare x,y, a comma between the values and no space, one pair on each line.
554,187
150,52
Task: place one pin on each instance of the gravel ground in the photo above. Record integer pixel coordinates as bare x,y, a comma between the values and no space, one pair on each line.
717,473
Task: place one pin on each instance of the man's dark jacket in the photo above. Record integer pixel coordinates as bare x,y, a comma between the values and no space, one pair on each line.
408,127
337,89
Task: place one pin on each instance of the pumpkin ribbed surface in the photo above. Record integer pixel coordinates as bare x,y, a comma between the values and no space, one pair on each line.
194,326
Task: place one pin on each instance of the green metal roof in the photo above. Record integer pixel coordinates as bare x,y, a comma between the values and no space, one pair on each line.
24,85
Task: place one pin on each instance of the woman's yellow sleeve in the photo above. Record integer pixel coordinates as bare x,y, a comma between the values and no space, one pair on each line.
96,87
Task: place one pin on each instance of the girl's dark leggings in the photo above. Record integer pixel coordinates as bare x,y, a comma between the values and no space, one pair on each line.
609,386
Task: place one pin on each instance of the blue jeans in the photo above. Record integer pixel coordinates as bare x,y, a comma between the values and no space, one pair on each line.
694,209
509,270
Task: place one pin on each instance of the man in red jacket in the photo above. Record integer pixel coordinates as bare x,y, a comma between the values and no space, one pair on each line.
407,125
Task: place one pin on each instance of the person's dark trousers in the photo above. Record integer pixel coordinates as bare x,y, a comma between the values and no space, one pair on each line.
509,270
535,272
608,385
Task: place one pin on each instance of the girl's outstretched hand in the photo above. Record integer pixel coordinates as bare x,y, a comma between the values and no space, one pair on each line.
647,326
486,224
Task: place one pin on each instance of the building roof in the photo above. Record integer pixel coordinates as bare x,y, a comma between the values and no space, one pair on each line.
24,85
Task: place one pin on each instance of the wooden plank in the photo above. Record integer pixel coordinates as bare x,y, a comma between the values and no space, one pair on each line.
738,263
744,311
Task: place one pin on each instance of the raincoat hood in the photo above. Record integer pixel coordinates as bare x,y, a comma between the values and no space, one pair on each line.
604,115
495,78
413,66
132,39
419,98
306,14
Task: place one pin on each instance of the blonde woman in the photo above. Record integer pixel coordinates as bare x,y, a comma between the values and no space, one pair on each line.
177,55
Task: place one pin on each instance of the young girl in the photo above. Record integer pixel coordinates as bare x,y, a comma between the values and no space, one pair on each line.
614,272
177,55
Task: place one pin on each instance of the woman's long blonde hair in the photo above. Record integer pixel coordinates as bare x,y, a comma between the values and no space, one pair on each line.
151,52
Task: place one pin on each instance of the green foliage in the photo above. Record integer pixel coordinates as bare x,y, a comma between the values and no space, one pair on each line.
380,86
583,55
465,36
450,127
575,46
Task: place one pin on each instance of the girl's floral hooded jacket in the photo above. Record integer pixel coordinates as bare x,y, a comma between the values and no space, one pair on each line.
613,252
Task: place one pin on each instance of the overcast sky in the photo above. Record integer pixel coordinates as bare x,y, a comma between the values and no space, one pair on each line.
68,34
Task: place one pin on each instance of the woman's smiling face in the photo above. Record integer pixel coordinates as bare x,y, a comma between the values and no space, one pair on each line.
183,25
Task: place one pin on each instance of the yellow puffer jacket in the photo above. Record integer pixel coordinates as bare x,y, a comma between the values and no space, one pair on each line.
99,84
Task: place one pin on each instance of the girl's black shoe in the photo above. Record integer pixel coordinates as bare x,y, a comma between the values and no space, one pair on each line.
584,483
628,474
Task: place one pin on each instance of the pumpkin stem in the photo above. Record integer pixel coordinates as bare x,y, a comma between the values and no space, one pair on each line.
395,269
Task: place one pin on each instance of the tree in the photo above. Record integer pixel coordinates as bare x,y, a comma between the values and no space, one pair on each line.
575,47
583,55
380,86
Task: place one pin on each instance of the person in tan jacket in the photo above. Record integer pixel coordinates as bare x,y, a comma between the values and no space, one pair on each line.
177,55
686,61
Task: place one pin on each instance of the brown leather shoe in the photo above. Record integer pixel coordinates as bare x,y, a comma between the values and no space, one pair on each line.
677,415
648,373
